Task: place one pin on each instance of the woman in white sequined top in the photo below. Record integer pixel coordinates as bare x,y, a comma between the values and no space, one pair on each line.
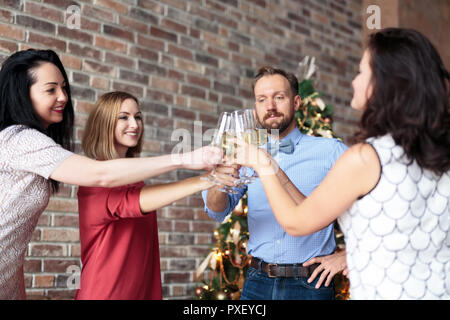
391,191
36,122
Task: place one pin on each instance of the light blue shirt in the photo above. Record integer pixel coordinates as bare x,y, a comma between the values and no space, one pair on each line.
310,162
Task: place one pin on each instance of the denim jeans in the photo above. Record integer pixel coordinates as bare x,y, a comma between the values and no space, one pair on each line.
258,286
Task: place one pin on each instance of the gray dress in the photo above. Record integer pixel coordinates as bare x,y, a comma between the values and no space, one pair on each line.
27,159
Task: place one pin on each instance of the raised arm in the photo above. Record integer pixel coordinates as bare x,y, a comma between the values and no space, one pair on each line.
354,174
80,170
153,197
294,193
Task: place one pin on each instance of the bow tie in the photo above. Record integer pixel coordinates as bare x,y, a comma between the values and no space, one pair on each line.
285,146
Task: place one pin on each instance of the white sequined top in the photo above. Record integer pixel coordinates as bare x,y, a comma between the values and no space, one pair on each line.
27,159
398,236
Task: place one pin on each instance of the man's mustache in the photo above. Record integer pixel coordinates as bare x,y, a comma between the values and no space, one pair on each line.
271,114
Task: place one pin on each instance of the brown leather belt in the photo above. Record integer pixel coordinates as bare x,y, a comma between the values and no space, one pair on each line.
283,270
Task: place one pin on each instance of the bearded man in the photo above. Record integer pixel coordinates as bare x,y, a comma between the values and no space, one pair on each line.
283,267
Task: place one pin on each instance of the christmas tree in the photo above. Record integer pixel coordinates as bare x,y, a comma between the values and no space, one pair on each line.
227,263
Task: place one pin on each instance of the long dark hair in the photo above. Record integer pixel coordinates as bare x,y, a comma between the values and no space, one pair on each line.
16,78
410,97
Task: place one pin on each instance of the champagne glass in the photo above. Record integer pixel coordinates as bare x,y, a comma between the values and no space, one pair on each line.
223,138
223,125
243,127
228,147
252,133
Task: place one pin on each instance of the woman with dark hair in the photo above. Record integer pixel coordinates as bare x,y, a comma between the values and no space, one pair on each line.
391,191
36,121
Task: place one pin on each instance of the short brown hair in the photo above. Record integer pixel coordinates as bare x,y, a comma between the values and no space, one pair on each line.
270,71
98,137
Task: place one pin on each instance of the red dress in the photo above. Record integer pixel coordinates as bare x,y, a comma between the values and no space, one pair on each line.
119,245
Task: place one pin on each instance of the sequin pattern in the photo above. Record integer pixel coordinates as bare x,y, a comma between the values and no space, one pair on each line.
398,236
27,158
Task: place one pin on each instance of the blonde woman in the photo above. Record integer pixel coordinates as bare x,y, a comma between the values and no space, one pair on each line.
118,227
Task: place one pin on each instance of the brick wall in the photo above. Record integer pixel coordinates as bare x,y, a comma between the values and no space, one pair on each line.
186,61
432,18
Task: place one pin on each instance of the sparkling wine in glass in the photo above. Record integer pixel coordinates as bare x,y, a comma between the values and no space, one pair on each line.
218,138
252,134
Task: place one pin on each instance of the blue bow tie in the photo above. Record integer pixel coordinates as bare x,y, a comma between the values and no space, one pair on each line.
285,146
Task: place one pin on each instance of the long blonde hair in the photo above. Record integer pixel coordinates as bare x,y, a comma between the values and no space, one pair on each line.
98,137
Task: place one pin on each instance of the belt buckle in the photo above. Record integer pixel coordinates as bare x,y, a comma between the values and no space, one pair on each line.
269,273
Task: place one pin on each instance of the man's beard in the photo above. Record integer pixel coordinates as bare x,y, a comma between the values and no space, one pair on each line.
284,124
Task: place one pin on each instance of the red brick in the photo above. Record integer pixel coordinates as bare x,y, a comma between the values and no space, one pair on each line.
63,4
100,83
64,205
11,32
46,41
35,24
133,24
47,250
65,220
115,59
173,74
74,34
43,281
180,52
84,51
6,16
118,32
84,106
231,101
134,90
218,52
173,251
94,67
150,43
88,24
193,91
203,226
175,277
60,234
44,220
110,44
174,26
70,62
183,113
97,13
43,12
181,226
32,265
144,53
114,5
160,96
59,265
152,6
133,76
8,46
164,84
160,33
200,81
